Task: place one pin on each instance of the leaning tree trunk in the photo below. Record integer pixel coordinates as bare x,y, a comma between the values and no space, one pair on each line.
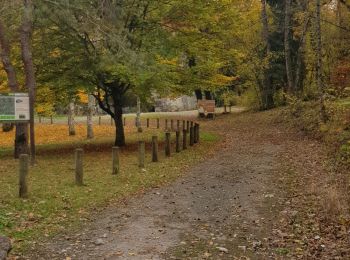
319,61
21,139
287,51
90,114
71,123
27,58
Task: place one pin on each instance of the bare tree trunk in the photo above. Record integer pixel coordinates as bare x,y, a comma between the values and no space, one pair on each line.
138,116
25,36
301,53
71,123
21,139
91,105
319,61
288,58
267,92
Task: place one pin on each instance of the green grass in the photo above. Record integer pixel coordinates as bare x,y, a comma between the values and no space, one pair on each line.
56,204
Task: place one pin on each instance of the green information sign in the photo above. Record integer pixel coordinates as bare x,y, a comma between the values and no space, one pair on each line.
14,107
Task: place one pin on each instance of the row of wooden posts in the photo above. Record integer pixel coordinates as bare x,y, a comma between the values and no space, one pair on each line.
168,122
148,120
190,128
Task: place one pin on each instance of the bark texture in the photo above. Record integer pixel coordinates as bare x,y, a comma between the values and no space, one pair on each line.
90,129
71,122
27,58
287,50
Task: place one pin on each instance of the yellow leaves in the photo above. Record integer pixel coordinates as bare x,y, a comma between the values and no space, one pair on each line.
164,61
83,97
55,53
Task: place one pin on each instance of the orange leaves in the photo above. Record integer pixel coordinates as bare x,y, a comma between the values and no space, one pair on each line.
54,134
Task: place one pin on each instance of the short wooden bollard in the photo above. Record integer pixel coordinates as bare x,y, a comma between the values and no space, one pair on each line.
124,121
158,124
147,122
99,120
79,167
23,173
166,124
178,149
197,133
191,136
141,154
115,160
184,139
51,120
188,126
172,124
192,124
154,148
183,125
178,125
167,144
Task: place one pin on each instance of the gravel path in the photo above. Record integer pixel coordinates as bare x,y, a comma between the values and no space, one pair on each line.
223,209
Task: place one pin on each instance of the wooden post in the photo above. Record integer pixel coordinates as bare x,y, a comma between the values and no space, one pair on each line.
178,125
183,125
191,136
192,123
184,139
172,124
115,160
167,144
196,133
154,148
178,141
147,122
158,125
166,124
188,126
79,167
23,173
51,120
141,154
124,121
99,120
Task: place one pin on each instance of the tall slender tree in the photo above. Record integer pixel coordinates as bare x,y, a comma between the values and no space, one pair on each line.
29,70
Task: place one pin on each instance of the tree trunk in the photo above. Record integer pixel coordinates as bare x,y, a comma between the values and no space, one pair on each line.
300,55
71,123
198,94
319,61
91,105
138,116
21,139
119,127
267,91
288,58
27,58
208,95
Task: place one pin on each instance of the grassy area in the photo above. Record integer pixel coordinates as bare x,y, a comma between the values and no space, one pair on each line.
56,204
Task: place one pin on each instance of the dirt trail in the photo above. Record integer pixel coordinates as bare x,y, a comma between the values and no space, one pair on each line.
224,208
